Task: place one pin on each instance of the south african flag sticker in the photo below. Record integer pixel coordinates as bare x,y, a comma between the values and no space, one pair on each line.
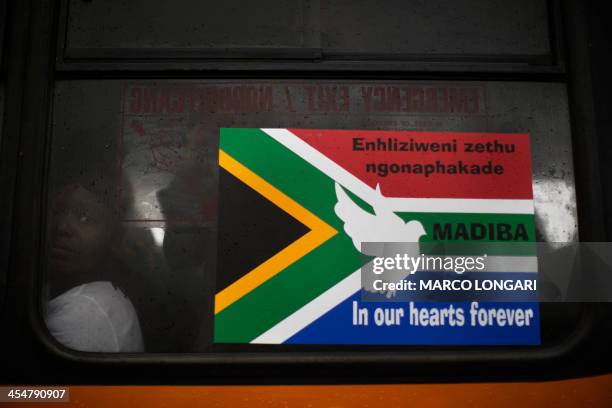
295,204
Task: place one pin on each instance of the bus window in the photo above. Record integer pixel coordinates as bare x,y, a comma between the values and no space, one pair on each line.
145,228
363,30
448,31
263,29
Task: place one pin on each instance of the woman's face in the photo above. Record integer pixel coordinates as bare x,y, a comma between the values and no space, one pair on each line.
80,231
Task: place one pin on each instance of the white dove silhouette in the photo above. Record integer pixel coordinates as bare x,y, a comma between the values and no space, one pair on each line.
382,226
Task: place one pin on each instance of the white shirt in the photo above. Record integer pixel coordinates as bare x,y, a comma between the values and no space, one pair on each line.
95,317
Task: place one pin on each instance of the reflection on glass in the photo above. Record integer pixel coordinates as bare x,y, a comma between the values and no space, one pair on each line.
161,221
89,276
555,209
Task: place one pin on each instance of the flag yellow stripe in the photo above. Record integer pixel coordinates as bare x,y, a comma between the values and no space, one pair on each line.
318,234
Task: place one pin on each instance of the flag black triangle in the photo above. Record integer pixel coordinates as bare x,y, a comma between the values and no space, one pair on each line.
251,229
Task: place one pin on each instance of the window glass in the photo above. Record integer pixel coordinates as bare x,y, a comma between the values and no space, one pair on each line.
362,29
437,28
222,26
144,228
